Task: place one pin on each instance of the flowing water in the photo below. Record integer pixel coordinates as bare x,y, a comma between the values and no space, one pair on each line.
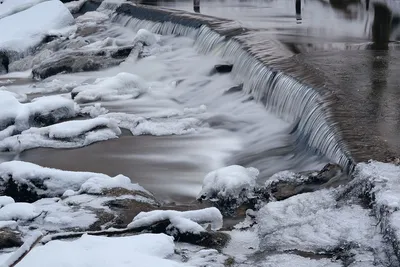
275,123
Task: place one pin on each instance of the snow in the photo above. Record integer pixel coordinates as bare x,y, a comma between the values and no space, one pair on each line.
5,200
22,115
208,215
145,37
229,182
145,250
18,211
9,7
97,185
75,6
314,222
290,260
121,86
8,224
57,182
158,127
25,30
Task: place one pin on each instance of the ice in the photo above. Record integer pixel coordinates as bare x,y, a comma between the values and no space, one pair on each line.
229,182
290,260
145,250
242,243
25,30
5,200
70,134
92,17
121,86
283,176
75,6
18,211
314,222
208,215
56,182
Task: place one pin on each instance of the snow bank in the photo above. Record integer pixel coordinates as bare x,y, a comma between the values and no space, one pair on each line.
121,86
18,211
145,250
70,134
53,182
229,182
184,221
314,222
25,30
43,110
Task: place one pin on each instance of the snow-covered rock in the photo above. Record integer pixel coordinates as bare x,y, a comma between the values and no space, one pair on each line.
186,221
146,37
16,117
18,211
9,7
70,134
52,182
314,222
24,30
121,86
145,250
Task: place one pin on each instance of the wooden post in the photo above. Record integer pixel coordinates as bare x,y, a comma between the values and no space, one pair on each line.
196,6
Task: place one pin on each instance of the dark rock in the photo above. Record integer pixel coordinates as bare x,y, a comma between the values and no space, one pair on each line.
234,89
223,68
9,238
19,192
80,61
4,62
89,6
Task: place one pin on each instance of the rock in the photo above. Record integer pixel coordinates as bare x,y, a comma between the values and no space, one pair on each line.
4,62
80,61
223,68
234,89
19,192
9,238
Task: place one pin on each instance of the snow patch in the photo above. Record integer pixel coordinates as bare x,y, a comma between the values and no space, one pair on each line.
5,200
18,211
196,217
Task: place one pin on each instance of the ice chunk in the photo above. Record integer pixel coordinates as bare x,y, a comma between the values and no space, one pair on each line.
145,250
53,182
18,211
208,215
5,200
313,222
70,134
121,86
25,30
229,182
92,17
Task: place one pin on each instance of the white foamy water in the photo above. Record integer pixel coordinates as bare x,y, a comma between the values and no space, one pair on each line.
170,93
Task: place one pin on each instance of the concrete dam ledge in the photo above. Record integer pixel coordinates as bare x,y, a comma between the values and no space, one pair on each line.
329,119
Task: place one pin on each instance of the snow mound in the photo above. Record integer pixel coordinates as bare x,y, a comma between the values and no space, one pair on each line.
313,222
53,182
145,250
26,29
229,182
41,111
18,211
70,134
5,200
121,86
184,221
156,126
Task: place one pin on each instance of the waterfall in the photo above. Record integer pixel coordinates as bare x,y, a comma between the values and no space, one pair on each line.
281,94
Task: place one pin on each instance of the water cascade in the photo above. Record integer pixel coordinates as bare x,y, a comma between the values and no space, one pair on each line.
296,102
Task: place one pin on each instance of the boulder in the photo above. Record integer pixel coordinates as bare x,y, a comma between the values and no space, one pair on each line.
9,238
